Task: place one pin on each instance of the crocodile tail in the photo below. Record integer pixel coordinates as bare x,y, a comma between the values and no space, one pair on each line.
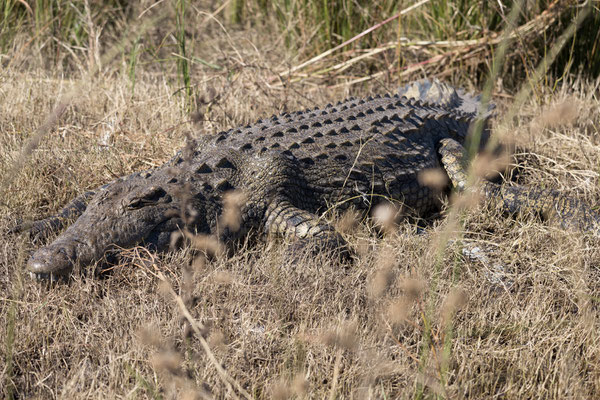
443,95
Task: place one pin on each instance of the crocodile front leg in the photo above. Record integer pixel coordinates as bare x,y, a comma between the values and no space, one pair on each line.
43,228
282,218
547,203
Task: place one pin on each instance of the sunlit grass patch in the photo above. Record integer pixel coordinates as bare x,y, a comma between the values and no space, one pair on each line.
475,305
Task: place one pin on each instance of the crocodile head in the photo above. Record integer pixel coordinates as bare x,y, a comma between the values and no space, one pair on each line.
122,214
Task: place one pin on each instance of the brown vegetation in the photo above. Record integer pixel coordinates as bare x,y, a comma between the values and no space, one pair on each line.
477,306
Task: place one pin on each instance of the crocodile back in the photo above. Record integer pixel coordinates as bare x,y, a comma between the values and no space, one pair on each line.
359,149
443,95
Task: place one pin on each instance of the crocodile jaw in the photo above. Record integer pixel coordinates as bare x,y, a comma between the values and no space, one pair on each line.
52,261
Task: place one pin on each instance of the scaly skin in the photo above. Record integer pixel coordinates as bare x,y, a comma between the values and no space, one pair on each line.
549,204
292,168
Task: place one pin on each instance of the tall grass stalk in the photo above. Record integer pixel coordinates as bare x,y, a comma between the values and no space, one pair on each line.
544,66
62,31
318,26
498,59
69,98
132,63
9,343
10,391
455,218
142,382
237,11
11,21
183,64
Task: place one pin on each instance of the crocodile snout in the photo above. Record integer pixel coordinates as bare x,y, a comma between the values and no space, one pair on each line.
51,262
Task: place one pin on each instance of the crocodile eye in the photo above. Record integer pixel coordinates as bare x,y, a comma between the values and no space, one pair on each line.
153,195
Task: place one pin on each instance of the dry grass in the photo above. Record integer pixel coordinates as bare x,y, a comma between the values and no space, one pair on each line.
415,316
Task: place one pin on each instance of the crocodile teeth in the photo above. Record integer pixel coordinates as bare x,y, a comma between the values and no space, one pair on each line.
43,277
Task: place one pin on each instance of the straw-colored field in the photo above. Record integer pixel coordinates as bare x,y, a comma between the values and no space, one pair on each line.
475,306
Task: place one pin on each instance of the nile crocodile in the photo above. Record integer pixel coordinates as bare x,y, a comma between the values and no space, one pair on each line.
292,168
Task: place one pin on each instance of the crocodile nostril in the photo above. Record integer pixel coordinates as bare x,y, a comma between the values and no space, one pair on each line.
51,260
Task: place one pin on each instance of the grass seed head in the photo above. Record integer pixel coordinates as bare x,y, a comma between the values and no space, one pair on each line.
300,385
384,276
348,222
223,278
176,240
385,216
233,201
193,394
344,337
199,263
381,281
559,114
488,166
281,390
363,247
412,288
169,361
434,178
207,244
216,340
397,311
164,288
149,336
456,299
466,200
187,331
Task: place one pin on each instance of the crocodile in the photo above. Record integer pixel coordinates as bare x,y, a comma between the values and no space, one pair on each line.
292,168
